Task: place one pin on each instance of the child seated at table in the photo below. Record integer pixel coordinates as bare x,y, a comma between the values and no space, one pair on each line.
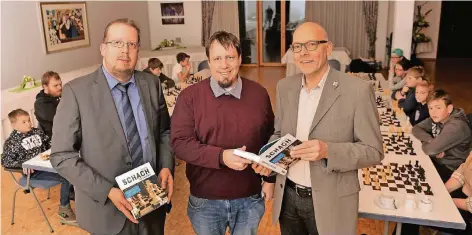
26,142
413,77
445,135
398,80
415,104
155,67
181,71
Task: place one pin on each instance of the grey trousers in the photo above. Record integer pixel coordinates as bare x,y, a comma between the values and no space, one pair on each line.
150,224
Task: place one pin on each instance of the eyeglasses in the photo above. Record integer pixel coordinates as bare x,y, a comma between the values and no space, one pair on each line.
309,46
121,44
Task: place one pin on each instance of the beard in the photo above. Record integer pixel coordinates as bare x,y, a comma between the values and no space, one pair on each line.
225,83
122,72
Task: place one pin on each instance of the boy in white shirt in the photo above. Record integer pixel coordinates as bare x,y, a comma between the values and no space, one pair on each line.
181,71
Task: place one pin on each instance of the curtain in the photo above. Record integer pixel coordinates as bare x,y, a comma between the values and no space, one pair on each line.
343,22
370,10
225,17
207,17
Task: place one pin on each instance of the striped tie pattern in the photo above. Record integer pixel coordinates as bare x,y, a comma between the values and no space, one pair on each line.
132,134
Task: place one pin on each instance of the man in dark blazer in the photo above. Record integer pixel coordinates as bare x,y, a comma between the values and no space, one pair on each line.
109,122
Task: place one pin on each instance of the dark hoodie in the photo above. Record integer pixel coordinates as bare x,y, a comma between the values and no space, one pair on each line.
45,108
454,139
21,147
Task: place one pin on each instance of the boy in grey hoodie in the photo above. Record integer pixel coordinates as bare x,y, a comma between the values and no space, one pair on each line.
446,135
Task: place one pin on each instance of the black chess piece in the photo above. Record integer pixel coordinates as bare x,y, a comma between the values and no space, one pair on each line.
417,163
428,189
409,163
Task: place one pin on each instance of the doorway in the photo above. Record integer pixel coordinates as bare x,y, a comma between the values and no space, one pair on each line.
454,30
266,29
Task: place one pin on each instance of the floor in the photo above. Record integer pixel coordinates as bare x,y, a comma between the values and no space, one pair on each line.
452,75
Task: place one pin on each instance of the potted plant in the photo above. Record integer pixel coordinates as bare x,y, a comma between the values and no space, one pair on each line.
419,24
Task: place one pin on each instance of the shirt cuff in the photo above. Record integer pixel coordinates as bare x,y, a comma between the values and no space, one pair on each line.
222,163
269,179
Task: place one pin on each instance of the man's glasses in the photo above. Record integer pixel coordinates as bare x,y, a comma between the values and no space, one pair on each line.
309,46
121,44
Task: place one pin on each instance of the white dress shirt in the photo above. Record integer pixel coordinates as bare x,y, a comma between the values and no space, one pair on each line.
307,106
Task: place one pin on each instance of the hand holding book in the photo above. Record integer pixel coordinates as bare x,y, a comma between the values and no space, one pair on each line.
116,196
261,170
167,182
311,150
233,161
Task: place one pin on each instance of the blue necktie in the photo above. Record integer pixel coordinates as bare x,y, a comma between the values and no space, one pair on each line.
132,134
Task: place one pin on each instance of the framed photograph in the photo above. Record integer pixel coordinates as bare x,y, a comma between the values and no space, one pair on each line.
65,25
173,21
172,9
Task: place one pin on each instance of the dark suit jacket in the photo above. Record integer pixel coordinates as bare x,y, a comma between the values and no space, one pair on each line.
87,122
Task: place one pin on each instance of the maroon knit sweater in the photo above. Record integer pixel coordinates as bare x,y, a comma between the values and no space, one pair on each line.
203,126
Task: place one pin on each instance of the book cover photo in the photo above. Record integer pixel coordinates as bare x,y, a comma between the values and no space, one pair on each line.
140,188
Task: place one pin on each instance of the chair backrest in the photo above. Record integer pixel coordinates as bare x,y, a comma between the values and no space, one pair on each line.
335,64
203,65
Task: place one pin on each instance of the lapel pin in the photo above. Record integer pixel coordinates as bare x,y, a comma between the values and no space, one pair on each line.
335,84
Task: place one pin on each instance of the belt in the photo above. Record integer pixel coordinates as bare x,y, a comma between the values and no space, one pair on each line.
300,190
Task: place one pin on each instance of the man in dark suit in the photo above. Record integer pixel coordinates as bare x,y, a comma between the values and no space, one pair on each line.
117,119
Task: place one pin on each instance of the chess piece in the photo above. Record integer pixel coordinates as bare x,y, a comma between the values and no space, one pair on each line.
417,163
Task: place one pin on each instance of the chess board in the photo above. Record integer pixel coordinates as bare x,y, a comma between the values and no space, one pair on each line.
398,144
381,103
387,119
395,177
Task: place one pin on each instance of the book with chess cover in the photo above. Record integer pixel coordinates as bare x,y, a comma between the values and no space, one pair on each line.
275,155
140,188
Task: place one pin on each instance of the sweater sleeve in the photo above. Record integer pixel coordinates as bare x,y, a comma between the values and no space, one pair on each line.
184,140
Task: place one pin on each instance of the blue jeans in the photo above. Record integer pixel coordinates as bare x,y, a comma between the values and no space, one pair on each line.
212,217
65,185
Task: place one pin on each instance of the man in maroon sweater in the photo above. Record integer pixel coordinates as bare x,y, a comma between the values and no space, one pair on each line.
210,120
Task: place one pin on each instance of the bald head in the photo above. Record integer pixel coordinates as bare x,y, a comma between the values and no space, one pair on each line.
311,29
311,49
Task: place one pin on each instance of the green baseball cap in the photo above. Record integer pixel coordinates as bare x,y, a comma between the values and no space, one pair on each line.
398,52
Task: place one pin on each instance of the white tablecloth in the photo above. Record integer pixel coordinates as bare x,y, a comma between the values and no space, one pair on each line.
444,213
168,58
339,53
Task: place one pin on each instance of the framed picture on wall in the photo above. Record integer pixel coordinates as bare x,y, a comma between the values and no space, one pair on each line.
65,25
172,9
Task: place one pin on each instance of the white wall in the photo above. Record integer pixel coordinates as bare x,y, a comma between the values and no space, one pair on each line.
403,26
381,42
23,51
190,32
434,19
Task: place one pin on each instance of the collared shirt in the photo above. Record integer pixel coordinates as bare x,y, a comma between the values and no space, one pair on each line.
307,105
137,107
219,91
